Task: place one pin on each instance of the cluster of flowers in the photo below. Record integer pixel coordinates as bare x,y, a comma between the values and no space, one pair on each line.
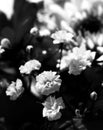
76,54
46,83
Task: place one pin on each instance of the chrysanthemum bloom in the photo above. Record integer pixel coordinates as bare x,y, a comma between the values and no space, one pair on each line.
62,36
15,89
52,108
29,66
46,83
78,59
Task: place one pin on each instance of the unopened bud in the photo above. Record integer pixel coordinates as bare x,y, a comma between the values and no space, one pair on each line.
93,95
44,52
5,43
34,30
29,48
77,113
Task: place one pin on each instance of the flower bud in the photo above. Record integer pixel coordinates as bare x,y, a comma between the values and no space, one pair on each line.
34,30
29,48
5,43
77,113
93,95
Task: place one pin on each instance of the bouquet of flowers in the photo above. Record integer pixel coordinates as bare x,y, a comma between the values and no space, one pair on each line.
51,59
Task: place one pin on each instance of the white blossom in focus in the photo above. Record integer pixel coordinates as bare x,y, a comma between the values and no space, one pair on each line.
29,66
78,59
62,36
52,108
15,89
46,83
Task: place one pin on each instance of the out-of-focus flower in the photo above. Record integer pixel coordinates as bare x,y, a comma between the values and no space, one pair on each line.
15,89
29,66
46,83
52,108
66,26
97,8
44,32
46,19
62,36
94,40
78,59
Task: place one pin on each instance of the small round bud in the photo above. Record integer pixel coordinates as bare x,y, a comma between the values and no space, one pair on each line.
77,113
93,95
34,30
5,43
44,52
58,61
58,65
29,48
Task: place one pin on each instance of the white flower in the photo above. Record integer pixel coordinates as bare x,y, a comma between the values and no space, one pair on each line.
15,89
44,31
52,108
62,36
30,66
46,83
78,59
